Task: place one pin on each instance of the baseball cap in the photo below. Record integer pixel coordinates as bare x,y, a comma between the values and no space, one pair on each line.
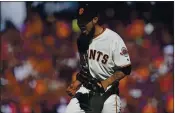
86,13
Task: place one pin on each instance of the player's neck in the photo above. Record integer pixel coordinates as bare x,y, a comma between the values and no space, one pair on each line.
98,30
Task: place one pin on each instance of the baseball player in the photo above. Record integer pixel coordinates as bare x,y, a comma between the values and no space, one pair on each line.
104,62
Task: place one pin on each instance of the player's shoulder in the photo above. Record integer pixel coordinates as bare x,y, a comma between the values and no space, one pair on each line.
112,35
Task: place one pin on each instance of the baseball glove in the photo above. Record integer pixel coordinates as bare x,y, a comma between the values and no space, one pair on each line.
89,82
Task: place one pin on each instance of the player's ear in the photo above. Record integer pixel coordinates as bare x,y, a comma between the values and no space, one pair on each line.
95,20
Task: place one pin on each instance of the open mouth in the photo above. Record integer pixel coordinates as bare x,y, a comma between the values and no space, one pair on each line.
83,30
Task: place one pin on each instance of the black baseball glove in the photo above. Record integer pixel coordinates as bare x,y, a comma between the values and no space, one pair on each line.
89,82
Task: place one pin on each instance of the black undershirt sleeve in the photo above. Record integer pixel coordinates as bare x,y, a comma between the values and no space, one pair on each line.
126,70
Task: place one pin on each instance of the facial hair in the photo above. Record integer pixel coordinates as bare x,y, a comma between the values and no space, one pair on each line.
84,40
91,33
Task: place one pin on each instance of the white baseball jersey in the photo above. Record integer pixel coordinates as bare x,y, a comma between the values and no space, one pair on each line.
106,53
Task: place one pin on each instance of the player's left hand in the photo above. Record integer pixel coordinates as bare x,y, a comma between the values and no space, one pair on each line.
105,84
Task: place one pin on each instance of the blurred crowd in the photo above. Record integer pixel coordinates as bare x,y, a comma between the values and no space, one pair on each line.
40,60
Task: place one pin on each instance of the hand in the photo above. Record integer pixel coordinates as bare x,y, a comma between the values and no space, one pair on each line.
73,87
105,84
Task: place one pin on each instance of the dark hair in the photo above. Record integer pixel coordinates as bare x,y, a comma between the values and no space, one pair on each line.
101,18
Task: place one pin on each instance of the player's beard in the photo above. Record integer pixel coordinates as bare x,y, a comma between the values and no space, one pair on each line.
84,40
91,33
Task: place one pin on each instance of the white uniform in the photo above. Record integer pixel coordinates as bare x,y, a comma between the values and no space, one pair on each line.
106,53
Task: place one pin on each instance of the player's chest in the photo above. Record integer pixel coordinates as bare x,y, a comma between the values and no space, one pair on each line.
100,51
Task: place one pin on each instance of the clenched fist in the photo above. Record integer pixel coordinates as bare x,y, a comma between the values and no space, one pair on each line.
73,87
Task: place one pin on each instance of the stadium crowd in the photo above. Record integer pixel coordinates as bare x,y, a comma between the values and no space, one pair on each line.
40,60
